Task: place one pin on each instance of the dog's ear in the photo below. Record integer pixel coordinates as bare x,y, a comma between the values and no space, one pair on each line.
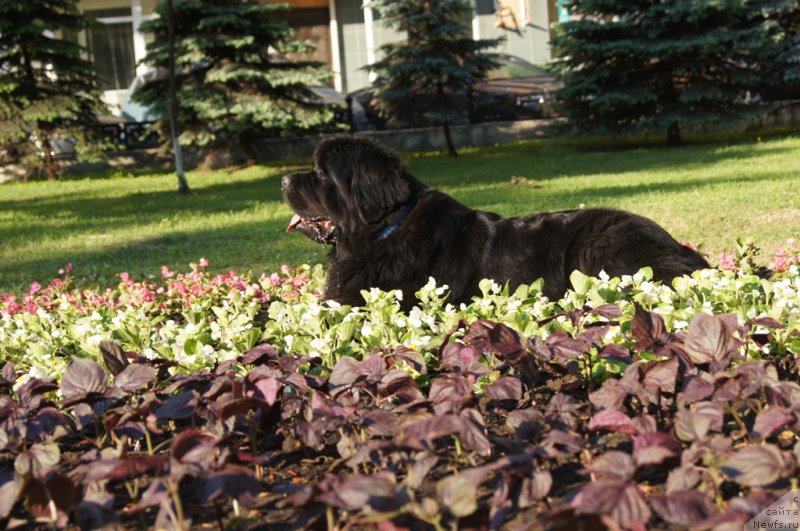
378,186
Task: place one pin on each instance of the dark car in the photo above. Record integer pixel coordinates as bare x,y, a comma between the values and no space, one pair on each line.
515,90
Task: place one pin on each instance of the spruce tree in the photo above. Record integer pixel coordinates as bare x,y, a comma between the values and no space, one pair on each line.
420,78
782,64
233,79
48,90
659,64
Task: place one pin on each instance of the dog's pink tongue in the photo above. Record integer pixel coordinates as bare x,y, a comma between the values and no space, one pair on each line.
294,222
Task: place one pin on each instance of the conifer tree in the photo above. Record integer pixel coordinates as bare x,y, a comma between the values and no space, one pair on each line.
233,79
782,64
48,90
420,77
659,65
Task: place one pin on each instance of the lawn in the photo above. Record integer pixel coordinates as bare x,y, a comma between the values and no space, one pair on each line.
709,194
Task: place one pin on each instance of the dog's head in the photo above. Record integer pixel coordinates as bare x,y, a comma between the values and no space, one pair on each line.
355,184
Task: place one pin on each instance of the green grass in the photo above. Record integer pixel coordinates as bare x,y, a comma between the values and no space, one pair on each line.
709,194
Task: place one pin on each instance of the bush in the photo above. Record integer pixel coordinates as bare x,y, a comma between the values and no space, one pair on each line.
626,399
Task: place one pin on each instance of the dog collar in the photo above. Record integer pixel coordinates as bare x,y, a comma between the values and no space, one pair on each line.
389,229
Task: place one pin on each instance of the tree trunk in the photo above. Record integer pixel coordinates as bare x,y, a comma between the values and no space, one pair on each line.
183,186
674,134
50,169
451,149
248,150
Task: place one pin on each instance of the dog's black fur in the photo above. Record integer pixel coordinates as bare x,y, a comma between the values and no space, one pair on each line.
358,189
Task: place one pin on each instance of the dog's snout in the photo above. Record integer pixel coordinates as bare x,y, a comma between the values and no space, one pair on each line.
285,180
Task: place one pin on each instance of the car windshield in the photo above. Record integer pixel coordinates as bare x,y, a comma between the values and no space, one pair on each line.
513,67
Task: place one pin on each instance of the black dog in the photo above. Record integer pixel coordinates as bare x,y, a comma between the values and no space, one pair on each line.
390,231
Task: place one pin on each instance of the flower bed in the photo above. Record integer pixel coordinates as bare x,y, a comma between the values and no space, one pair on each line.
246,400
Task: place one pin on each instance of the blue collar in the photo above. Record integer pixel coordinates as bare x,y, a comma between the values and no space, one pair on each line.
389,229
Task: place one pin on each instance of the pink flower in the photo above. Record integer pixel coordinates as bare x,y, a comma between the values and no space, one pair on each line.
727,261
35,288
690,245
125,277
166,273
783,259
203,263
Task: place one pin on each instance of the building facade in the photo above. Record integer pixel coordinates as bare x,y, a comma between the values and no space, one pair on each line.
347,35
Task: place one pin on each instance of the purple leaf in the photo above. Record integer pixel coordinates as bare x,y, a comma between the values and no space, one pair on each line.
194,446
535,487
449,393
622,501
661,374
418,434
36,458
49,424
505,388
654,448
647,328
125,467
610,396
373,368
566,347
458,493
612,421
134,377
268,389
712,410
10,489
784,394
693,424
609,311
685,477
557,439
695,389
356,491
345,372
51,498
399,385
411,357
756,466
260,354
30,393
768,322
771,419
709,339
525,423
178,406
615,352
613,466
113,357
689,426
236,482
683,508
423,464
83,381
645,424
310,434
379,423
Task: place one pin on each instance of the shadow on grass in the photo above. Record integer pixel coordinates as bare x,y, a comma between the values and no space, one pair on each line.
256,246
66,213
600,195
539,162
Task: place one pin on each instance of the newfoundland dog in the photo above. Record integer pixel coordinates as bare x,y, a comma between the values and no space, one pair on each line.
388,230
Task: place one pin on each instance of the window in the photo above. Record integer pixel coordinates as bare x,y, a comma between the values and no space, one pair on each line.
110,44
